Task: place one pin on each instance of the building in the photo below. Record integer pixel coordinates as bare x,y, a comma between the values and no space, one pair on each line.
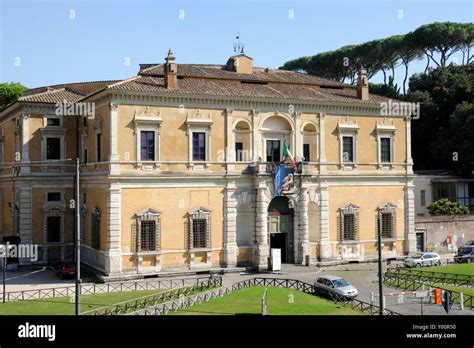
442,233
178,167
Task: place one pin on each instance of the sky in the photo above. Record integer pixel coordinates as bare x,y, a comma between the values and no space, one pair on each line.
45,42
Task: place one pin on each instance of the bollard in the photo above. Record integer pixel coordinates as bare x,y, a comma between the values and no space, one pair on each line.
461,300
372,298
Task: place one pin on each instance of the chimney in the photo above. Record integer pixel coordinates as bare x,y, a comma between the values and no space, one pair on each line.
171,70
363,85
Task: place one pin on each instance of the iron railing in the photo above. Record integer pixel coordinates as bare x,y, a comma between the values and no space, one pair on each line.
404,278
184,302
93,288
151,300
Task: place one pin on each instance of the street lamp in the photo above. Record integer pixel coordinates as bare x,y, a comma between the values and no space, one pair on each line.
379,242
78,243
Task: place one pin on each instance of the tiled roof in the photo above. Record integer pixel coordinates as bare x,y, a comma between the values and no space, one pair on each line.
258,75
233,88
53,96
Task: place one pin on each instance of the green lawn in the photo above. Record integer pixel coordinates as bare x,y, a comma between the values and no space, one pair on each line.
66,306
280,301
458,268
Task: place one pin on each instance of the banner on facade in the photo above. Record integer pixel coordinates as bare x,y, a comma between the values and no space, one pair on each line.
284,180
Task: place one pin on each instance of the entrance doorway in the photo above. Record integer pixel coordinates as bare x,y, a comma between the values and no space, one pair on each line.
280,228
420,241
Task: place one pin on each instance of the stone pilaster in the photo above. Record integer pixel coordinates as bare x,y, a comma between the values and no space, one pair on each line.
408,147
25,217
25,144
324,221
114,232
322,142
303,226
114,156
262,247
410,236
230,243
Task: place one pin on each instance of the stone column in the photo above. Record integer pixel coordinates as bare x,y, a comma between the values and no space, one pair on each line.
303,226
114,156
324,221
410,236
25,151
262,247
114,222
230,242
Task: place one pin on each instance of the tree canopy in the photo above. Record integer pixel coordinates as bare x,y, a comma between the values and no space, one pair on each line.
9,92
437,42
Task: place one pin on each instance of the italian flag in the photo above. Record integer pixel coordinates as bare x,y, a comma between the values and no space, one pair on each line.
287,154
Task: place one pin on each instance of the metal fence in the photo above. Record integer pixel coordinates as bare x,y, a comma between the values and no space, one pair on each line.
151,300
92,289
404,278
184,302
413,280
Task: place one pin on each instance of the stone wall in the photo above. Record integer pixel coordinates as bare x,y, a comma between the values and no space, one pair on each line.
437,229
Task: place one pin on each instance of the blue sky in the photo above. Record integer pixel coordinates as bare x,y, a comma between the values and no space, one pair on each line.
44,42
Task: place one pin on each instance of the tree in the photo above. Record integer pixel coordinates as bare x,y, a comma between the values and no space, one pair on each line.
439,93
446,207
9,92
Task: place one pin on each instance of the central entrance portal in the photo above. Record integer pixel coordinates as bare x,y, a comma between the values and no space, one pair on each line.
280,227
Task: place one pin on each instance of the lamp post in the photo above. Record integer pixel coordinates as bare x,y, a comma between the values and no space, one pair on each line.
78,243
4,272
379,242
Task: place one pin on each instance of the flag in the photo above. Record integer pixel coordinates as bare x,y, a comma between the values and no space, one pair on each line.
287,154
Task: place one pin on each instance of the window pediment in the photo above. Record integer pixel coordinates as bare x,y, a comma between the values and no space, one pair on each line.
148,213
349,209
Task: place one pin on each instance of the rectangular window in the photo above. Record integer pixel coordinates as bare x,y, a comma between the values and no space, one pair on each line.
99,147
148,235
199,146
423,198
385,151
85,155
273,151
53,148
147,145
199,233
347,149
306,154
95,231
53,122
54,196
387,225
349,227
53,229
239,147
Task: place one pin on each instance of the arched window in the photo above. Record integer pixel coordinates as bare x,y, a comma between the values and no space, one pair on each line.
148,230
199,225
386,221
242,141
349,223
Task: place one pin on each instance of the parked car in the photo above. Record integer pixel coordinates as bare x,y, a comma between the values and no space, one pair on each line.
423,259
66,269
465,254
337,285
470,242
